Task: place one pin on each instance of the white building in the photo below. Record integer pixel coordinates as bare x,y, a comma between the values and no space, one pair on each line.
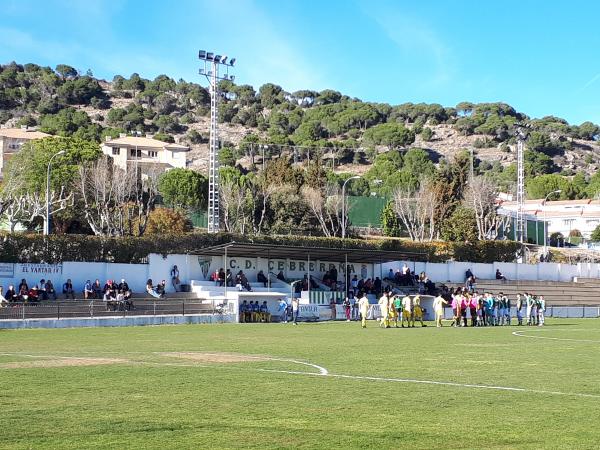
145,152
12,139
561,216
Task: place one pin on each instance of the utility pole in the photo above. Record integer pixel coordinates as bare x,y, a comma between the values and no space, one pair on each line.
212,64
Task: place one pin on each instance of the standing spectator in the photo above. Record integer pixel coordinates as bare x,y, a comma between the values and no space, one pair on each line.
333,306
295,310
468,274
221,279
50,291
88,291
97,288
347,308
68,289
354,285
175,278
229,278
354,305
151,290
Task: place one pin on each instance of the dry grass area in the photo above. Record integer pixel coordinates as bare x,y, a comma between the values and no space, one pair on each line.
206,357
61,362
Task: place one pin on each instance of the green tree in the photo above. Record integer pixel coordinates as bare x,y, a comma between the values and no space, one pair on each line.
596,234
226,157
30,164
392,225
183,188
540,186
392,135
461,226
66,71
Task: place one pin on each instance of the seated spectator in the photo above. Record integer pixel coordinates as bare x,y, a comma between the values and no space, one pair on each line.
468,274
88,291
281,276
377,285
23,292
390,275
361,284
109,285
162,288
243,310
23,287
50,291
229,278
499,275
265,315
42,290
245,282
255,311
3,301
175,278
120,300
68,289
262,279
97,288
124,288
150,289
222,276
11,295
110,298
34,295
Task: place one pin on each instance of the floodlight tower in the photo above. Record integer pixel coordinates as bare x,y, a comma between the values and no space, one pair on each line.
212,64
521,229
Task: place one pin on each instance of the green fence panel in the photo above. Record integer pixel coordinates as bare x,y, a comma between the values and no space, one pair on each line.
366,211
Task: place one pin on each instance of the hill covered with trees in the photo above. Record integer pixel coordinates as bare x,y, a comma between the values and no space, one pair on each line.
270,137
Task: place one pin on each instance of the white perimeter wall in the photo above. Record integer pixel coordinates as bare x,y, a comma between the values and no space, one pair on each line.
193,267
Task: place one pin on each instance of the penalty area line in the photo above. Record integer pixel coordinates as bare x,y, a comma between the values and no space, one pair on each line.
520,334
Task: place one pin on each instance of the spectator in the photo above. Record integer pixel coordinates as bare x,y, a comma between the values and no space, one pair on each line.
295,310
499,275
229,278
333,306
42,290
348,308
23,287
49,290
68,289
11,294
3,301
262,279
34,295
281,276
162,288
23,291
354,284
175,277
97,288
255,311
221,278
377,285
151,290
390,275
88,291
468,274
110,297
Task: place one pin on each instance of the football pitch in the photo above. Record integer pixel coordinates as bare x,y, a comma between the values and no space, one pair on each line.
319,385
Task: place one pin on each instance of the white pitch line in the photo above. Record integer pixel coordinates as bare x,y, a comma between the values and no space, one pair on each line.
431,382
520,334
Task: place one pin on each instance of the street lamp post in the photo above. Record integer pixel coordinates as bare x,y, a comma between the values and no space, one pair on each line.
47,221
558,191
356,177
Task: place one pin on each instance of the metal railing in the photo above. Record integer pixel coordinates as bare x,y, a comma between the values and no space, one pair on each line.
90,309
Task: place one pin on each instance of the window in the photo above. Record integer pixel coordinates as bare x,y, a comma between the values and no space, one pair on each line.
116,151
135,153
152,154
568,222
14,146
592,221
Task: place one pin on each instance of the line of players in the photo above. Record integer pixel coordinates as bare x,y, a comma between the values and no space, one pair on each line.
490,310
254,312
394,306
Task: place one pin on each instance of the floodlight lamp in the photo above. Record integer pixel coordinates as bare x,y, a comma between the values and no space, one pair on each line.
202,54
224,59
210,56
201,71
232,77
232,61
217,58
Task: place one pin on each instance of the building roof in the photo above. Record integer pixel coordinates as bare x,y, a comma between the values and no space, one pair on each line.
538,202
19,133
274,251
137,141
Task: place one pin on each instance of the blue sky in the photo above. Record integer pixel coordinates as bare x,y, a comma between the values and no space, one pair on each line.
539,56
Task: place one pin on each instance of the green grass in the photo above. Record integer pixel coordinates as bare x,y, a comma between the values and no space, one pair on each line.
155,401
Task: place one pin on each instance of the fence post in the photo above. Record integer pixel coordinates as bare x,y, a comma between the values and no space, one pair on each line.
583,312
23,311
58,311
154,308
183,308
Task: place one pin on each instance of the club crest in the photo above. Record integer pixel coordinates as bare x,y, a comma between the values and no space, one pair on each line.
204,267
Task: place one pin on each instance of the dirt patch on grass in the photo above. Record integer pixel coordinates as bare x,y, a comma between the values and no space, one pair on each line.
61,362
216,357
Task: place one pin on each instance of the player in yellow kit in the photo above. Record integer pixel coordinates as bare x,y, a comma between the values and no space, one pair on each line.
393,314
406,311
417,311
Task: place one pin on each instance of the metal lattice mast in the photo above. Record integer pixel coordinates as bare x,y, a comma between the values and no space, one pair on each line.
214,61
521,229
213,154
